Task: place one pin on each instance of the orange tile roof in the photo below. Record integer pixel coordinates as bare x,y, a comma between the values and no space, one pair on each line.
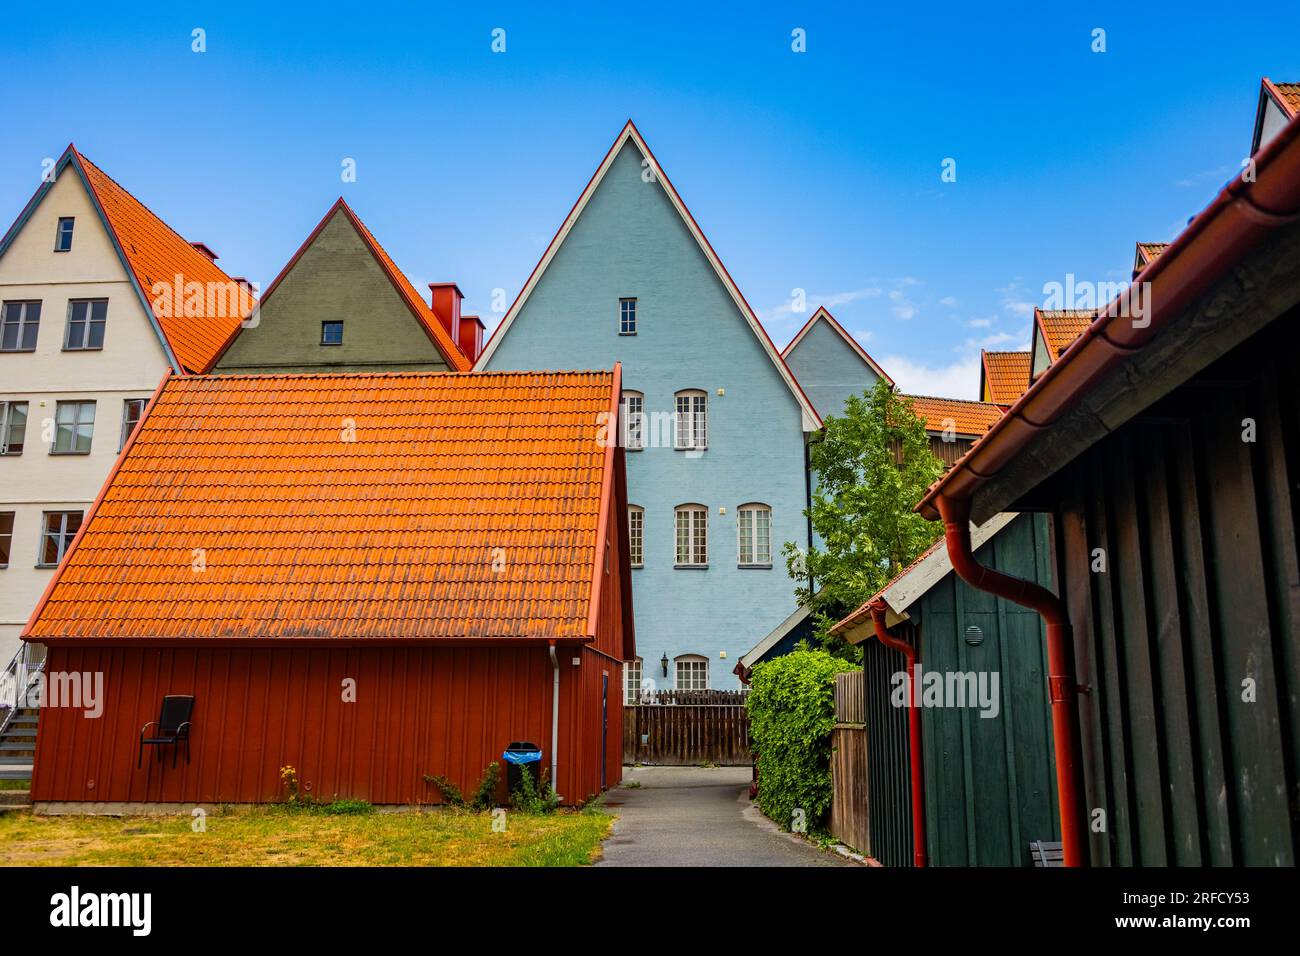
967,417
306,534
1006,374
157,254
1288,95
1147,251
1061,327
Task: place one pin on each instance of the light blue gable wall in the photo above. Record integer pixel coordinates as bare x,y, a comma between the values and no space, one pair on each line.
630,241
828,369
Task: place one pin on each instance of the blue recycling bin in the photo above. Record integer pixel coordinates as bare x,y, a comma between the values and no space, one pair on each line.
522,757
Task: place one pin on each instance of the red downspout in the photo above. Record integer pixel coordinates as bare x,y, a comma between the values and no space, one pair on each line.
913,731
1062,687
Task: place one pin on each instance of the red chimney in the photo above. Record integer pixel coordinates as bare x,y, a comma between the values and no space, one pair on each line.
445,299
471,336
205,250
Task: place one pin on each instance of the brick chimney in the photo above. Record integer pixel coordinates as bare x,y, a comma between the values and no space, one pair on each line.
471,336
206,250
445,299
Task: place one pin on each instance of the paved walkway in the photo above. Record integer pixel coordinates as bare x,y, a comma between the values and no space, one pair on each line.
693,816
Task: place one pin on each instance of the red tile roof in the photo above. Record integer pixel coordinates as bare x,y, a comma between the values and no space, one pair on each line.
1006,375
1287,96
1147,251
1061,327
966,417
156,253
466,507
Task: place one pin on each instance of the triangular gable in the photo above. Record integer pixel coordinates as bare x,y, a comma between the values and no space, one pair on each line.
420,309
811,420
1004,376
821,315
1279,104
151,253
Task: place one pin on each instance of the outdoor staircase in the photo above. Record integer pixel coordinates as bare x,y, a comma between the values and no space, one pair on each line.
18,743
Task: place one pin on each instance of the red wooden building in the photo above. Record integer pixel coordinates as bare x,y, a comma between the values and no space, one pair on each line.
368,577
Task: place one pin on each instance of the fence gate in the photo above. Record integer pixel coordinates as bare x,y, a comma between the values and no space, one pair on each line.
687,728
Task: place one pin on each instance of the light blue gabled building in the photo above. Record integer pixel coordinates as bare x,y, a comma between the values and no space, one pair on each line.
830,364
715,423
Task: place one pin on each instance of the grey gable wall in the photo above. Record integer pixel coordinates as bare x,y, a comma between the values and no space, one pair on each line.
335,278
828,369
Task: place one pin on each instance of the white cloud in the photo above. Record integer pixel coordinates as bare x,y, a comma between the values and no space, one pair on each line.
785,311
980,323
958,380
949,300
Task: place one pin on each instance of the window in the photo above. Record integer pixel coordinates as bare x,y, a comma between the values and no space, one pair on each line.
63,237
692,672
13,426
74,424
331,333
632,680
86,324
627,316
692,536
19,323
635,535
132,410
7,539
692,420
633,417
60,528
754,528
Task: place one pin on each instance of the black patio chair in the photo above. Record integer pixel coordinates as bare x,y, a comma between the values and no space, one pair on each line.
171,727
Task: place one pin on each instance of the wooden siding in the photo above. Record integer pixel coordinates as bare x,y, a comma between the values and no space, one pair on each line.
686,728
889,782
1198,606
418,710
850,820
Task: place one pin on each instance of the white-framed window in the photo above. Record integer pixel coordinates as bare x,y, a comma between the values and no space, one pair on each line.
57,531
633,416
636,535
86,320
692,672
74,426
132,412
6,537
13,427
692,536
632,681
754,533
627,316
63,236
692,419
19,323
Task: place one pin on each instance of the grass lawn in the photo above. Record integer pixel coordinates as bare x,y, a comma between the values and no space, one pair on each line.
15,784
273,836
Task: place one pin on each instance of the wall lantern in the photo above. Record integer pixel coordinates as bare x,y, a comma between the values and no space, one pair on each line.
663,662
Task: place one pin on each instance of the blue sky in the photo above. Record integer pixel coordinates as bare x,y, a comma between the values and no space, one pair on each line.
817,170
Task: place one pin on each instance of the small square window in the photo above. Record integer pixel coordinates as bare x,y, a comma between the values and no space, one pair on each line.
63,238
627,316
74,426
331,333
19,323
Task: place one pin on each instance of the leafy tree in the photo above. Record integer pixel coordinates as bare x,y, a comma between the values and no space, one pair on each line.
873,465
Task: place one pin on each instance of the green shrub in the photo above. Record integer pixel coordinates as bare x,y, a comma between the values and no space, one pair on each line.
346,808
533,797
451,794
791,708
485,795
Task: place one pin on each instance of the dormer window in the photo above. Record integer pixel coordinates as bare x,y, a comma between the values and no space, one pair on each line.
331,333
627,316
63,237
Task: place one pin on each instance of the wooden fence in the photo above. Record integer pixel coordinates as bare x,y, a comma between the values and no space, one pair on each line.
850,821
686,728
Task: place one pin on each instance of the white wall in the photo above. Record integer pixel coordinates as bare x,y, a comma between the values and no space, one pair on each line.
130,365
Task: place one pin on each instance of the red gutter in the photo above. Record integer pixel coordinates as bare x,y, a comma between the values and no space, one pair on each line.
1062,687
913,730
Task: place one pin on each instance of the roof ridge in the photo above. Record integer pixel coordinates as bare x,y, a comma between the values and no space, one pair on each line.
417,373
945,398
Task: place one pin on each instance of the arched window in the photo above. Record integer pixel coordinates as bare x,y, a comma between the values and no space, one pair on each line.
692,536
632,415
754,534
692,672
635,535
692,419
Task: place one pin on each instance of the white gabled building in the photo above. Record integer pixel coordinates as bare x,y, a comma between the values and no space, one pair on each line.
89,326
